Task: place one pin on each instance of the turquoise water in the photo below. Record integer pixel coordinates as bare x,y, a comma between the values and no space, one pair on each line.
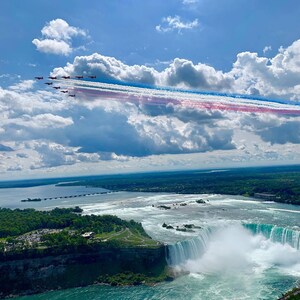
240,249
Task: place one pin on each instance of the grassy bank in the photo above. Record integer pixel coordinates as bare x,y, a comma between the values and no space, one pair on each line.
23,231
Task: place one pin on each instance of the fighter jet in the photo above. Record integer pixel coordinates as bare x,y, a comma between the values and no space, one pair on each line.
49,83
65,77
79,77
39,77
71,95
56,87
63,91
52,77
92,76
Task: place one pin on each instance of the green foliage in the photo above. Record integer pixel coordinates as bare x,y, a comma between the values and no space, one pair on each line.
63,238
284,182
130,278
17,222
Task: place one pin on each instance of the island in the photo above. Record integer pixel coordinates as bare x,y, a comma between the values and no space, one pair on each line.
65,197
61,248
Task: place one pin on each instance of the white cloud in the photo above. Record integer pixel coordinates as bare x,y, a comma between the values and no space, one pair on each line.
180,72
274,129
5,75
24,85
46,120
105,67
53,155
15,168
189,2
274,77
60,30
57,37
183,73
266,49
52,46
175,23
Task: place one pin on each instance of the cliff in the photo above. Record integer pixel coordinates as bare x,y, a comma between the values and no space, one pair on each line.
37,274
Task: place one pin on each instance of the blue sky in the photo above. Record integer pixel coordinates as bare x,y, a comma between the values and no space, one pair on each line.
228,46
126,30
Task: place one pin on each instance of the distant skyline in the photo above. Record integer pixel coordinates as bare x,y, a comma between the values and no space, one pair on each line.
232,46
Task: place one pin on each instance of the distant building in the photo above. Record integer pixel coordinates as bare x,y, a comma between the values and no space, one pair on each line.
88,235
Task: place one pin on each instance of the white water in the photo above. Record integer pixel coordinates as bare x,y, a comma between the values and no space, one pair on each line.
233,250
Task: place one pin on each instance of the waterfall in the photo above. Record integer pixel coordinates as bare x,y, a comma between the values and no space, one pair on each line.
276,234
193,249
182,251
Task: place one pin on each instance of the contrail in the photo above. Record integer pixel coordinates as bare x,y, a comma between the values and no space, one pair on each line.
193,99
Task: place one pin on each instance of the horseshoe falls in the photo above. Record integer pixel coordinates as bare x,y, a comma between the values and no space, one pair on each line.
237,249
277,234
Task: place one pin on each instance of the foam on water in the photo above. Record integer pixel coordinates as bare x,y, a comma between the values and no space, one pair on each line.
285,210
235,249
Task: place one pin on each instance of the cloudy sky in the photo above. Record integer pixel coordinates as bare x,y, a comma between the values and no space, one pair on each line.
228,46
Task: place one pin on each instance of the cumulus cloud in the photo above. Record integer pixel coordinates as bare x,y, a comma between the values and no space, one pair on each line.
107,68
175,23
77,131
22,86
57,37
22,155
15,168
183,73
274,129
47,130
274,77
52,46
180,73
44,121
53,155
60,30
250,74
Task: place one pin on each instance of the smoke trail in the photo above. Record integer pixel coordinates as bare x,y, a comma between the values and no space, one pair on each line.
192,99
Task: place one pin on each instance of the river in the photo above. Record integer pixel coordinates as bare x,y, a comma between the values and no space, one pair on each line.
238,248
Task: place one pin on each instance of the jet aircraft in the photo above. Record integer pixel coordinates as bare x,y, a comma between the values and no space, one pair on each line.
39,77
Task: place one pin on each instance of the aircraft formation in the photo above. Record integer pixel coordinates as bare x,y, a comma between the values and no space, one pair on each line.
58,87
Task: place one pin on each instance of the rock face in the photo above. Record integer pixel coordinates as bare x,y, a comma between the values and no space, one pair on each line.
34,275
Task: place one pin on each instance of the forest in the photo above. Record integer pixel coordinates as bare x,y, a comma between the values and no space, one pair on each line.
282,182
31,229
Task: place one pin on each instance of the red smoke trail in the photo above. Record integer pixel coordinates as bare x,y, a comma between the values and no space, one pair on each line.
155,100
